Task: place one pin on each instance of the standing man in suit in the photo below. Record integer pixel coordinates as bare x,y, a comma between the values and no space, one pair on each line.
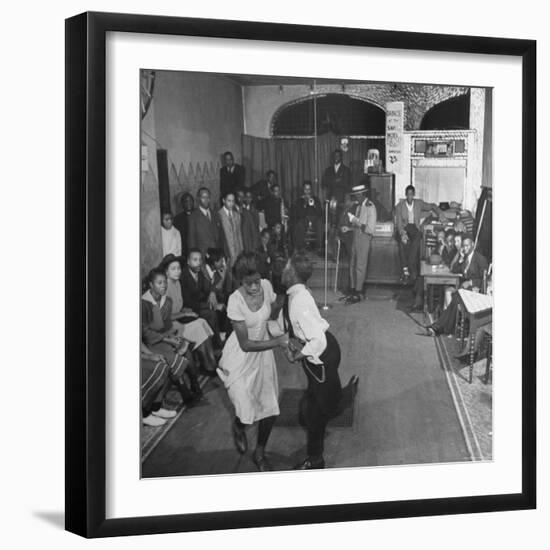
307,212
262,188
230,224
250,223
408,215
204,232
471,265
231,175
362,224
336,179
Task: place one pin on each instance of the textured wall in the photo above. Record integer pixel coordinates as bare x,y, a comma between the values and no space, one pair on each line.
198,116
151,244
262,102
150,239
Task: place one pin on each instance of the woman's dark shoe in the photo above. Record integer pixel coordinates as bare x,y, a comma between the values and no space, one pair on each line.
310,464
239,437
189,398
262,463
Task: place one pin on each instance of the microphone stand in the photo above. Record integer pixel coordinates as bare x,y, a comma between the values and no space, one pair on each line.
325,305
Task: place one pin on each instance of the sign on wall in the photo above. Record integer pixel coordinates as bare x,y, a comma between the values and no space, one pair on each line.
395,116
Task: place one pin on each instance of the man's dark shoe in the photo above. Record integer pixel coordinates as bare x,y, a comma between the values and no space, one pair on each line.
353,298
310,464
345,295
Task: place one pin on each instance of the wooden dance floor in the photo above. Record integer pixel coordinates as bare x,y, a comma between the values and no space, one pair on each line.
404,412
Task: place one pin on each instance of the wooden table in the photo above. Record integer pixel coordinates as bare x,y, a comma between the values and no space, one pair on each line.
436,275
478,309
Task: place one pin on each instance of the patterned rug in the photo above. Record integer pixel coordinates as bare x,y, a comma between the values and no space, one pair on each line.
290,406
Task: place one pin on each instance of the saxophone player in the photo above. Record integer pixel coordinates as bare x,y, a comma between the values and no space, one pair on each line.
307,215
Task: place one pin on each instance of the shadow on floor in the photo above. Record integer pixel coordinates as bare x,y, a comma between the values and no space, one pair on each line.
57,519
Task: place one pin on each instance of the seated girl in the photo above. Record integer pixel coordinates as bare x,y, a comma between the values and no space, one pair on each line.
161,336
188,324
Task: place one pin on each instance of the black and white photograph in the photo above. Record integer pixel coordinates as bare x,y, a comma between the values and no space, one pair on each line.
316,273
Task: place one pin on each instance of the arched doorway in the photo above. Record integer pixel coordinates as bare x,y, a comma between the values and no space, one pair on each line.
306,131
451,114
340,114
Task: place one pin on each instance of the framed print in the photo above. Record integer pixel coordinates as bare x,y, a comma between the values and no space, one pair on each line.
300,273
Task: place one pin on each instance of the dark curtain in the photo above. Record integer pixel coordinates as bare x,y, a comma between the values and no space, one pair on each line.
294,160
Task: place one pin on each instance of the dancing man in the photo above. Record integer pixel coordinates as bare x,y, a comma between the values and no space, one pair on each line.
318,350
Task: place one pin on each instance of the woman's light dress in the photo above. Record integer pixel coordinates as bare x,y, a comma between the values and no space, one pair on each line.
250,377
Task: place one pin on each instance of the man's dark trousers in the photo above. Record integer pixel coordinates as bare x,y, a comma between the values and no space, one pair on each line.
321,401
409,253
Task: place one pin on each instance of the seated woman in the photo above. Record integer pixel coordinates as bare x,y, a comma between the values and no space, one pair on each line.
187,323
157,375
161,336
247,366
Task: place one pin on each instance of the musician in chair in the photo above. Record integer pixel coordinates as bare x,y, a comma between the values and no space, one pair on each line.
471,265
307,216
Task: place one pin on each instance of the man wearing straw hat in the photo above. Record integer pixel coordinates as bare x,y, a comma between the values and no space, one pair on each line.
362,223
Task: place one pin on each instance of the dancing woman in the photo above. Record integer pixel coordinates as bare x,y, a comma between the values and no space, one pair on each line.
247,366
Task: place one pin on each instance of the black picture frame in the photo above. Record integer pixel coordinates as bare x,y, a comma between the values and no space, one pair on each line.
86,286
